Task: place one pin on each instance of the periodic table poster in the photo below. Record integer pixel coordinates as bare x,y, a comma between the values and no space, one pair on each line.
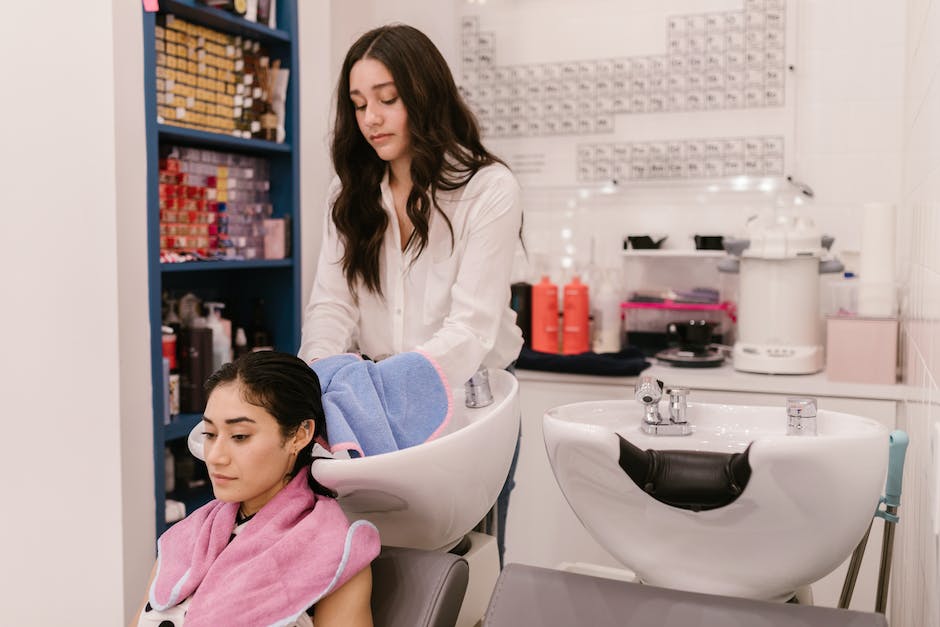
601,91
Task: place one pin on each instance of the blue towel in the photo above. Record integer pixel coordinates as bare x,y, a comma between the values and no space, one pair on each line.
374,408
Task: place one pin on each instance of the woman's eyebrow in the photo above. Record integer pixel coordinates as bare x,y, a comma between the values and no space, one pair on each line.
231,421
356,92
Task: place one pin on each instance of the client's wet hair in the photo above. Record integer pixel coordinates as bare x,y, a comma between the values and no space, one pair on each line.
288,389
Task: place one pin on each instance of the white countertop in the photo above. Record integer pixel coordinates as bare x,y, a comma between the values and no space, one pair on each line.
727,378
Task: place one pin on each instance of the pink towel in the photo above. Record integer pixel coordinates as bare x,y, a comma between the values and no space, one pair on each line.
297,549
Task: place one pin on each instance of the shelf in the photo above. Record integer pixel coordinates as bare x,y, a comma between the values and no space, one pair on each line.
276,282
204,266
672,252
736,184
223,20
181,426
219,141
727,193
678,305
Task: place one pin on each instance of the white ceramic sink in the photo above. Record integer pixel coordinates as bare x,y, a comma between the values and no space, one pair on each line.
429,496
805,506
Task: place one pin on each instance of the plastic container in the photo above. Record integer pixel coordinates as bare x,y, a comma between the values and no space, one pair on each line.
521,302
221,342
608,319
647,324
545,316
575,335
656,317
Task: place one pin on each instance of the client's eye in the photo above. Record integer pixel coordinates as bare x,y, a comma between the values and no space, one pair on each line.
207,435
240,437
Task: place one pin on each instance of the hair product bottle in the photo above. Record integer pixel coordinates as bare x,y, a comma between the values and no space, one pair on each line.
575,335
608,324
521,302
545,316
221,343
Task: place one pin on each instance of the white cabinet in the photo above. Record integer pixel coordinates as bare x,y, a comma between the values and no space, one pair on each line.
542,530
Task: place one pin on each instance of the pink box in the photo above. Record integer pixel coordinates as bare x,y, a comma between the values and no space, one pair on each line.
275,238
862,350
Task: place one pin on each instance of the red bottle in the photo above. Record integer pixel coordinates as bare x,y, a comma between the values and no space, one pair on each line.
575,336
545,316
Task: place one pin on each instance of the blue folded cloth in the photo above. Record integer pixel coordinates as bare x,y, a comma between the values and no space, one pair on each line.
628,362
380,407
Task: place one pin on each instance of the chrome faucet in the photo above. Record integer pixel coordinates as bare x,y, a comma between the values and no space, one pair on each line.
477,389
801,415
649,391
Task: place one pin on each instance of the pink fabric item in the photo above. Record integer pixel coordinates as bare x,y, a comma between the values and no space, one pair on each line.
151,6
297,549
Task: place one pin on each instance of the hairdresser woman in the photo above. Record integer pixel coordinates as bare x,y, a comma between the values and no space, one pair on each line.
423,221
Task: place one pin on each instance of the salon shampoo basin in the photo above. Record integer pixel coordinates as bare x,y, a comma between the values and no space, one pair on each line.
429,496
792,508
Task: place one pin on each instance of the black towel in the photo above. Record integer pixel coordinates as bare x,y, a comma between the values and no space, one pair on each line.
629,361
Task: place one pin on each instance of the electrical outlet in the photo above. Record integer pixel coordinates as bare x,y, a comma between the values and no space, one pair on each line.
934,478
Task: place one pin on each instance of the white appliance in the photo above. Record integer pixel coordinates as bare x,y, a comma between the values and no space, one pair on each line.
779,322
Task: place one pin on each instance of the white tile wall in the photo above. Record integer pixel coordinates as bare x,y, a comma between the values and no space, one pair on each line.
849,78
915,585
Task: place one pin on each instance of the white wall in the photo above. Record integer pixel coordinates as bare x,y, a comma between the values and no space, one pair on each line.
916,581
849,68
136,407
848,89
316,94
75,370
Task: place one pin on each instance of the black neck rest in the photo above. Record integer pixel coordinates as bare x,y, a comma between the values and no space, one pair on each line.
692,480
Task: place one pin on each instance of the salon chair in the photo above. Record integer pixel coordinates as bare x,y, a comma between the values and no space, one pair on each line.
526,596
416,588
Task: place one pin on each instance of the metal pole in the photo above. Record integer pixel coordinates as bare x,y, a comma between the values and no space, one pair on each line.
884,574
848,587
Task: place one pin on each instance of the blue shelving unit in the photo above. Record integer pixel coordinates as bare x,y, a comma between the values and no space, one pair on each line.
277,282
192,137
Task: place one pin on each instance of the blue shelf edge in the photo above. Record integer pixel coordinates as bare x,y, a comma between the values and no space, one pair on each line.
223,20
193,137
180,426
202,266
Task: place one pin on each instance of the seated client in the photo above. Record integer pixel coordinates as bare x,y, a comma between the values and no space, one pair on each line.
274,547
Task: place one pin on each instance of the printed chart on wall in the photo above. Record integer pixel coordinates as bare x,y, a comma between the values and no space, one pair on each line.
601,91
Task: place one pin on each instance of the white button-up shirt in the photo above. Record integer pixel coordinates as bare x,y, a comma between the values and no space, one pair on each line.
451,303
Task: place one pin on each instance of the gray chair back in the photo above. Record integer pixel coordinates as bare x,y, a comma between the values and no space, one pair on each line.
526,596
414,588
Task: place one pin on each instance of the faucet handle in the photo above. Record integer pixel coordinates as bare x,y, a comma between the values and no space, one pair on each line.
677,393
677,403
801,415
801,407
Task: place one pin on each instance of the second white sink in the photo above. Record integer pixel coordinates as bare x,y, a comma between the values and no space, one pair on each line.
805,505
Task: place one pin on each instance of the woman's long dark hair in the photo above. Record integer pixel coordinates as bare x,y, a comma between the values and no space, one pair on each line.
445,146
288,389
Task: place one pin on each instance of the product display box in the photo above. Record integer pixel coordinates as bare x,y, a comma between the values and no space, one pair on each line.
862,350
